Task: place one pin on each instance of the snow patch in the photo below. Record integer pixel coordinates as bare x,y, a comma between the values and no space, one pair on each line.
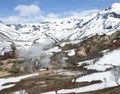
109,60
71,53
106,78
13,79
54,49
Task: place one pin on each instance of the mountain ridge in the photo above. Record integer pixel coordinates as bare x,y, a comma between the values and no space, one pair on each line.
63,30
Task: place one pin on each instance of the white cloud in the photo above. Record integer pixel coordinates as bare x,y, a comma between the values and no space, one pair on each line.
33,14
11,19
89,12
80,13
28,10
53,16
26,14
18,19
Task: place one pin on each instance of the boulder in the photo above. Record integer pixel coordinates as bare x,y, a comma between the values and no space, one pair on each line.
82,52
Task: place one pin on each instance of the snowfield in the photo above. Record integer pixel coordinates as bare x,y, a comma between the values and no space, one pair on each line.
14,80
109,60
64,30
107,81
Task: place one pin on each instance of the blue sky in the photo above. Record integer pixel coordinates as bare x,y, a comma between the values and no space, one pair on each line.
25,11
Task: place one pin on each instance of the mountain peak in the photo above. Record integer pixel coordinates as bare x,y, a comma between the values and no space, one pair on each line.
115,7
115,4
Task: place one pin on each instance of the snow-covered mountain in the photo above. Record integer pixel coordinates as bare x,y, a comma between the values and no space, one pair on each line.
89,48
7,35
62,30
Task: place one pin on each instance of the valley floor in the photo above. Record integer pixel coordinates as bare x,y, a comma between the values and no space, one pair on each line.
88,77
52,82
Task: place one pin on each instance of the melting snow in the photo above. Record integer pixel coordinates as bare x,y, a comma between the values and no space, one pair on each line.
106,78
55,49
71,53
13,79
109,59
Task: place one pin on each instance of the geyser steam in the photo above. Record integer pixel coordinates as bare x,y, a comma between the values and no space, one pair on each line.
36,57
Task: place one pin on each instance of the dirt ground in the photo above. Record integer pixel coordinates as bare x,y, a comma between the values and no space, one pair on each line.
50,81
46,81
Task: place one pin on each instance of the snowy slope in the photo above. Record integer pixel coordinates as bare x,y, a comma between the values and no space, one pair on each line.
106,78
63,30
107,21
75,27
7,35
109,60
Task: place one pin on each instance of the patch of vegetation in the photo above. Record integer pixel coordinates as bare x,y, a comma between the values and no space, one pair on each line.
16,61
14,70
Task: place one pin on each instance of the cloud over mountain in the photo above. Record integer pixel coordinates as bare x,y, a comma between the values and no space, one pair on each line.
28,10
34,14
